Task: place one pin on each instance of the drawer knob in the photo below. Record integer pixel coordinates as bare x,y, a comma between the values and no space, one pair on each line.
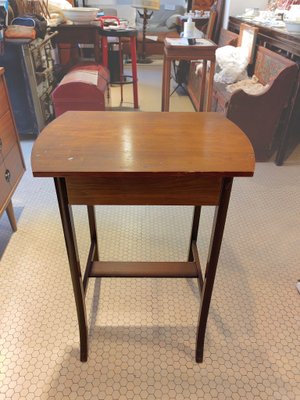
7,176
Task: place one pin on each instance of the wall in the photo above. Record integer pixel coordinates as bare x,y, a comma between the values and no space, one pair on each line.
124,9
236,7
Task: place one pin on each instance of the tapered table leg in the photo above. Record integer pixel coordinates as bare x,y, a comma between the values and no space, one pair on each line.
195,228
11,216
212,262
93,230
70,240
166,84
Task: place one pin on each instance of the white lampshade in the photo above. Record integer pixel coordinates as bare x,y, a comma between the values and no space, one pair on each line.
148,4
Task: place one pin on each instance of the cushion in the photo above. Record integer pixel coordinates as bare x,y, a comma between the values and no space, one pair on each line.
172,20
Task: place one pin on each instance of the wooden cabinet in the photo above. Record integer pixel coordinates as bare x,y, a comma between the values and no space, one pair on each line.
12,165
30,78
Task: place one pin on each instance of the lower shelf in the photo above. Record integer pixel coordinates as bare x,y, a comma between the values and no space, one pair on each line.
115,269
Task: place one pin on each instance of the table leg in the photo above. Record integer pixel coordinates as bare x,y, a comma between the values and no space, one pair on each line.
97,48
212,262
195,228
134,71
121,68
74,264
203,85
93,230
104,45
11,216
166,84
94,251
210,86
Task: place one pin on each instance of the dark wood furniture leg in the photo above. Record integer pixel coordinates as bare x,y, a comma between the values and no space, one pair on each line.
94,250
212,262
202,83
166,84
134,71
195,228
71,245
11,216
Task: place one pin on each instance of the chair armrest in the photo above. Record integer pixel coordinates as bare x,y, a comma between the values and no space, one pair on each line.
259,115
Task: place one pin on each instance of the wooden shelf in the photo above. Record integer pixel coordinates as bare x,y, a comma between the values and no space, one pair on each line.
123,269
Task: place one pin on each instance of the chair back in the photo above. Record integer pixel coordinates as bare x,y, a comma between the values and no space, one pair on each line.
211,24
204,5
227,38
247,40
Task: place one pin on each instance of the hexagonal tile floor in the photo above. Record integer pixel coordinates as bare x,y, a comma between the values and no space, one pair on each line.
142,332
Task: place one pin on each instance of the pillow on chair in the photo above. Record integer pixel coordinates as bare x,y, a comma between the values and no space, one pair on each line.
172,20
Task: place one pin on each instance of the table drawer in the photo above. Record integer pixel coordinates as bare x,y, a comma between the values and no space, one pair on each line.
151,190
14,167
8,136
5,187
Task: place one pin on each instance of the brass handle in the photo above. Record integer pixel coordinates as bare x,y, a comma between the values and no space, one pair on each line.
7,176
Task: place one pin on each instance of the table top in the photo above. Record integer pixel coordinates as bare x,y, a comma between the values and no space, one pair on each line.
280,31
126,32
72,26
94,26
183,43
108,143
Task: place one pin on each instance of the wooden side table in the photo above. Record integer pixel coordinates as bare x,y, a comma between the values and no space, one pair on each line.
73,34
114,158
178,49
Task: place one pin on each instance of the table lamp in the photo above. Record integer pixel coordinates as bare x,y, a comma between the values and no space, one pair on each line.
146,5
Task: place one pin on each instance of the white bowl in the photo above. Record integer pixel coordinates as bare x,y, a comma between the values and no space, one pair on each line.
292,26
81,15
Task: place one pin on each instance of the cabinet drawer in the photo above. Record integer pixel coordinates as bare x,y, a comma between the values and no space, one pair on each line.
8,136
5,187
14,166
3,98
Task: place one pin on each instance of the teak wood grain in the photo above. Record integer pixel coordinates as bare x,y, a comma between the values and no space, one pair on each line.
152,190
142,158
4,107
137,269
7,133
106,144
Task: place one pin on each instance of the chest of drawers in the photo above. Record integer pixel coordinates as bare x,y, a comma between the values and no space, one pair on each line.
12,165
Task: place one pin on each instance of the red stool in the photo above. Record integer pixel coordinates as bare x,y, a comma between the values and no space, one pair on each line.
120,33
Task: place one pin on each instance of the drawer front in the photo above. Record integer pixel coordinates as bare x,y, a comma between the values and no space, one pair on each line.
5,187
14,167
3,98
8,136
180,190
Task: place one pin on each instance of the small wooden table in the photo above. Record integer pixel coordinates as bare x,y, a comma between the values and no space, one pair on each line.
175,49
75,34
113,158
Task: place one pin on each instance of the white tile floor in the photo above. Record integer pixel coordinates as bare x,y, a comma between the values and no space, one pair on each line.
142,332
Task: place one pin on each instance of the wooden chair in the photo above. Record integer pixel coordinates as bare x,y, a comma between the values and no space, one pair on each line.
247,40
211,25
194,77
